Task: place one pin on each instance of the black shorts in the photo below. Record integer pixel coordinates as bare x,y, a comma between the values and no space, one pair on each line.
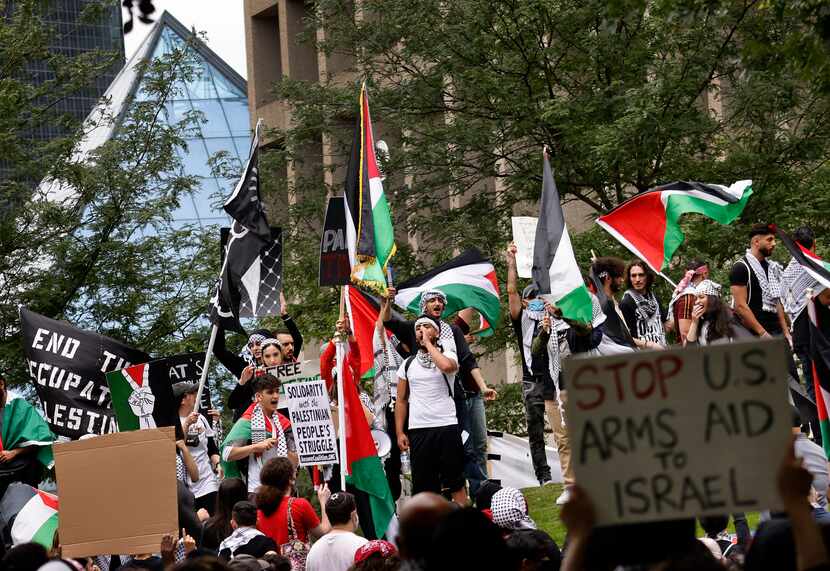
437,459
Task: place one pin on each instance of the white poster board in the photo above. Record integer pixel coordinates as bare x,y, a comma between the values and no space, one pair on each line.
294,372
660,435
524,236
309,411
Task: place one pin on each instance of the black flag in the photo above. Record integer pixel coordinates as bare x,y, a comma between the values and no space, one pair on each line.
251,276
335,268
67,366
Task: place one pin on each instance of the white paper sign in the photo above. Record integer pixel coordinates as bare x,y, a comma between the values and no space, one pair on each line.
292,373
659,435
310,415
524,236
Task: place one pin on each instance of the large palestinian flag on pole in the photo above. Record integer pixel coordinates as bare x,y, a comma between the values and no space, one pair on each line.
812,264
649,224
555,271
142,397
29,515
369,234
820,357
468,280
363,310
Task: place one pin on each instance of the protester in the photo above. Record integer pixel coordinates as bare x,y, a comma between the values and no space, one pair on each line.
240,396
534,550
712,322
261,434
376,555
538,390
813,458
509,509
282,517
246,538
643,314
187,471
201,442
336,550
387,359
291,340
218,526
468,527
685,294
609,275
271,352
419,518
425,414
24,557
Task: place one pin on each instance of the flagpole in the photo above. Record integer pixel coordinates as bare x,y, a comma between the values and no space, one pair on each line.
213,331
339,344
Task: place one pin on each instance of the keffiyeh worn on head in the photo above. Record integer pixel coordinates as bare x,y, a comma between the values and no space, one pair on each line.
509,509
428,296
445,342
270,341
246,352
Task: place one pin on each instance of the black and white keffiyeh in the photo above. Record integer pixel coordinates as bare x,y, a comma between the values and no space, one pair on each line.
259,431
795,281
246,352
770,281
428,296
240,536
509,509
445,342
649,321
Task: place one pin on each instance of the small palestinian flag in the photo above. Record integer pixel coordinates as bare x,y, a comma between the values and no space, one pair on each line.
812,264
142,397
555,271
468,280
29,515
820,357
649,223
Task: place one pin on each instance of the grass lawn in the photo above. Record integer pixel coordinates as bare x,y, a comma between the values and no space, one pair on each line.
541,502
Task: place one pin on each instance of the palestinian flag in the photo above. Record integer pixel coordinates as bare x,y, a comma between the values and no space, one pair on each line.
363,310
649,224
142,397
23,426
468,280
820,356
363,467
240,435
812,264
369,234
29,515
555,271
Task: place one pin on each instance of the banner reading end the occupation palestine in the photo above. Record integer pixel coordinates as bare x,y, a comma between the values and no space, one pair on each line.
67,366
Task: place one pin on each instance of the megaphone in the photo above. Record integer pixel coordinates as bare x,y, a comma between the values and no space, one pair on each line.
382,442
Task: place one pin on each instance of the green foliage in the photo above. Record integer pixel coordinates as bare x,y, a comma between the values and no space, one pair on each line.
627,94
507,412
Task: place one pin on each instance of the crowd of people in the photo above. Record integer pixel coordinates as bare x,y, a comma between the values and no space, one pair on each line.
239,505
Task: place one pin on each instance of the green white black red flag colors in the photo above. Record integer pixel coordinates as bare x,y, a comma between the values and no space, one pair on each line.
369,233
250,279
555,271
649,223
363,310
142,397
335,267
468,280
819,269
820,357
67,367
29,515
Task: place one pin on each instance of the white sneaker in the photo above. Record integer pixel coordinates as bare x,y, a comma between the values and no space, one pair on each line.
563,497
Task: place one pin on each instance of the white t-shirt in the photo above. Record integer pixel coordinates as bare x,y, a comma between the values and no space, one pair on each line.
207,482
430,403
334,551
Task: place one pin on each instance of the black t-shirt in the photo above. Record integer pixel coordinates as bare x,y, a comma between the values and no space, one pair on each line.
742,276
628,307
535,368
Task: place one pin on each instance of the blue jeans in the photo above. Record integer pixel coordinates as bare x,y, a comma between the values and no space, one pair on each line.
471,419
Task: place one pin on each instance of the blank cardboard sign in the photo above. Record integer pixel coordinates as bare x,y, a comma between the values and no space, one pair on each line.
117,492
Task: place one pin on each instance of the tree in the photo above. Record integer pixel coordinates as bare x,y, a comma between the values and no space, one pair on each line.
95,243
627,94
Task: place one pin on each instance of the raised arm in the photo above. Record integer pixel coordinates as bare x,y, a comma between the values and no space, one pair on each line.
291,325
513,298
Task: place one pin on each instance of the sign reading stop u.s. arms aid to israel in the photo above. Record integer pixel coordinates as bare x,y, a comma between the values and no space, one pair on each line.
310,414
659,435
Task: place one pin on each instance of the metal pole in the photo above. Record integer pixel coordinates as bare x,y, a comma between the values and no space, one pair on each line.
214,330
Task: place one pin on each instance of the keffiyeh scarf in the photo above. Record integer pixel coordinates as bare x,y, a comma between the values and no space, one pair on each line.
509,510
246,351
240,536
649,322
770,281
259,431
445,342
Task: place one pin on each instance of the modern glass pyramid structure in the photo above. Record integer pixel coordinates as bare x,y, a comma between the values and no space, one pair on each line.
215,90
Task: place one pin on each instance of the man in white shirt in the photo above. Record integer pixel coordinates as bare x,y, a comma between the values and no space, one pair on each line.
425,393
201,443
335,550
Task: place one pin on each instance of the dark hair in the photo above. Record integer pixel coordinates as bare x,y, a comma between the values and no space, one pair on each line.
713,524
694,264
762,229
204,563
231,491
485,493
535,545
282,331
638,263
339,508
613,267
277,562
264,332
467,526
266,381
720,320
803,235
244,513
275,477
25,557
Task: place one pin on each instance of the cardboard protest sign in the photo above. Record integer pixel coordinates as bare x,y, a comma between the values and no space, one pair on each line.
117,492
335,268
67,366
660,435
309,411
524,236
142,397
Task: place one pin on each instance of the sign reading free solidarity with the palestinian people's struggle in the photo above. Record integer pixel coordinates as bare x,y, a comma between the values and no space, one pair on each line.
659,435
310,414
